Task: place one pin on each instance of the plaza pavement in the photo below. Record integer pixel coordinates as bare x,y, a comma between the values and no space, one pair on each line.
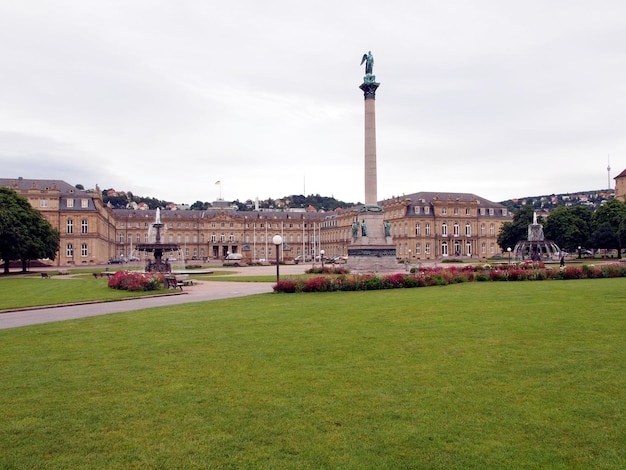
201,291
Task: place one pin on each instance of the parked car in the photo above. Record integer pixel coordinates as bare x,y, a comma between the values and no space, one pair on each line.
132,258
116,261
302,259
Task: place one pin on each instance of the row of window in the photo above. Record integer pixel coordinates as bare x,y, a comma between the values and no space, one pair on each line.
84,203
214,225
468,211
213,238
457,249
69,250
84,226
455,229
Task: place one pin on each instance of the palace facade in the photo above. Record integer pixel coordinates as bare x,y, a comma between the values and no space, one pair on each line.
424,226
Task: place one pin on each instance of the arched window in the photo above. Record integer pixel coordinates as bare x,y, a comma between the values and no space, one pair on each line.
444,248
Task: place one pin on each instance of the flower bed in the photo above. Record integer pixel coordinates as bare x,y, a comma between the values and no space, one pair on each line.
135,281
340,280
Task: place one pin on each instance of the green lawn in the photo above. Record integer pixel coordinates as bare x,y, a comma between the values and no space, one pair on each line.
20,292
474,375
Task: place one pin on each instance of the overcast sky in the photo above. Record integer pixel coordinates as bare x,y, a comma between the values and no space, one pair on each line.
501,98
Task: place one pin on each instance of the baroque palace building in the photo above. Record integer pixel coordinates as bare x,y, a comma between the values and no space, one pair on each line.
424,226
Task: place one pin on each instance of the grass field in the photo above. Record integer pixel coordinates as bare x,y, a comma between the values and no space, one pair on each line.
475,375
20,292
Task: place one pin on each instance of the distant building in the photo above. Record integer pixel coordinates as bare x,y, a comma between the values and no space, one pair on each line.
424,226
86,224
620,186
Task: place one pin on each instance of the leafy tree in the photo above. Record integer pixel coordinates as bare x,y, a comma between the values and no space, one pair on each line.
569,227
200,206
609,226
24,233
512,232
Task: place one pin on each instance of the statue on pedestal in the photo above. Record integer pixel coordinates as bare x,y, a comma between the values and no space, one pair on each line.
368,59
387,226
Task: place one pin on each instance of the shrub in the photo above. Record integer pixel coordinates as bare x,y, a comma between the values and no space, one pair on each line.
438,276
572,272
327,270
499,275
518,274
135,281
285,285
317,284
612,270
374,283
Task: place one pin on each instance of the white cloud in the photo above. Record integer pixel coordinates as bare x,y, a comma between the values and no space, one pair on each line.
163,98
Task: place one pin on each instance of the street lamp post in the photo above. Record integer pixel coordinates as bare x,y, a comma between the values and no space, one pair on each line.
277,240
322,258
579,255
509,252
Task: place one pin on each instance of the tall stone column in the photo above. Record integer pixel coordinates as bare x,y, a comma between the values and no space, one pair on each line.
369,87
371,248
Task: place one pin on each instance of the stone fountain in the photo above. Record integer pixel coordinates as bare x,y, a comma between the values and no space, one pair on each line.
536,247
158,265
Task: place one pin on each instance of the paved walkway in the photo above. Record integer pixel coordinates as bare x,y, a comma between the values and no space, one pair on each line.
201,291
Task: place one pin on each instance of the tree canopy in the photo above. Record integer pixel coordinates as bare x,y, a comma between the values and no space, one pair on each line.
609,226
512,232
24,233
569,227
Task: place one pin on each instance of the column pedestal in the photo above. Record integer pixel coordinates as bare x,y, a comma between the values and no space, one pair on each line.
373,251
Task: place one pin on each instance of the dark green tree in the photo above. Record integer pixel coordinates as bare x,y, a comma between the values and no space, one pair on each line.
569,227
199,206
609,226
24,233
512,232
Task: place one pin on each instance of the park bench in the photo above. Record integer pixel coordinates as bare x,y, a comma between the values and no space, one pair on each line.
45,276
105,274
171,282
184,278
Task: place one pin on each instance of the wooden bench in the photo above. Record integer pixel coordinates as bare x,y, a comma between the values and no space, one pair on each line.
45,276
170,282
184,278
106,274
